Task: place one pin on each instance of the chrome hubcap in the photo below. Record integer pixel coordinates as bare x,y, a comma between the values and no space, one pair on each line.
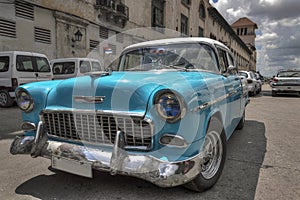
213,152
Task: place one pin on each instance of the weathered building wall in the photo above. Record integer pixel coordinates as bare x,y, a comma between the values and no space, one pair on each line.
98,25
25,31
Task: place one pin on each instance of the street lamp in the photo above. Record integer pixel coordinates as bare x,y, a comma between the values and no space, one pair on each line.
78,36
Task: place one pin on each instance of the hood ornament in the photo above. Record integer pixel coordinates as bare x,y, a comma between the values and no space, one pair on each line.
89,99
98,74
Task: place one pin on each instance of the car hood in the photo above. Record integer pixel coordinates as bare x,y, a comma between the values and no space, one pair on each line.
120,91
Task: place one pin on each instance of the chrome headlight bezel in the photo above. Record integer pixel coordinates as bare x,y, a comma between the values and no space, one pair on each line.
170,106
24,100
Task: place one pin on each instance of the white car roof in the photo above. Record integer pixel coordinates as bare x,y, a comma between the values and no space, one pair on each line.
73,59
25,53
175,41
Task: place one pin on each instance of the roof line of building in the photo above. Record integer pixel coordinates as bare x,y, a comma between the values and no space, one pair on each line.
214,13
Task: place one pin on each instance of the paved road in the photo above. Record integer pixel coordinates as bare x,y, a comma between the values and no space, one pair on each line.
263,163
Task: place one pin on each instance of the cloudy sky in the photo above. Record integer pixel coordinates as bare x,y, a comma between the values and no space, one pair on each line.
278,34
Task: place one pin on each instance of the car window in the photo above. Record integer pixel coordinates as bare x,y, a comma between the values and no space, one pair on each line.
4,63
223,60
173,56
64,68
42,64
231,62
25,63
84,67
96,66
289,74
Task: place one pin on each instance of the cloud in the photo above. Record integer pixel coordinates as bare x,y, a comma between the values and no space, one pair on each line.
267,37
278,36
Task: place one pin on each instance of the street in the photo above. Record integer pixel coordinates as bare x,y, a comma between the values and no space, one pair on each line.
263,162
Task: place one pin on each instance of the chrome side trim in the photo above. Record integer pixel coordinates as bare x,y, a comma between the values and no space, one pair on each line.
215,101
210,103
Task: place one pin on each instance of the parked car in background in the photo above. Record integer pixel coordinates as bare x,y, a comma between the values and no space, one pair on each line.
18,68
259,81
64,68
244,84
286,81
254,87
164,116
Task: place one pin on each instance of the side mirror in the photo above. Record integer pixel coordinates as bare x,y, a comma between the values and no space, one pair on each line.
230,69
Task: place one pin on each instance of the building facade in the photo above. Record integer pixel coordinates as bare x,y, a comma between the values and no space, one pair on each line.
245,29
102,28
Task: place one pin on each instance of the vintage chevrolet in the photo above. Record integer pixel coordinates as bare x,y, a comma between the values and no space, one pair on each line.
163,114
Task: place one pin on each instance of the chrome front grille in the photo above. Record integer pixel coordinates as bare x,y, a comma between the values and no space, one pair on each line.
98,129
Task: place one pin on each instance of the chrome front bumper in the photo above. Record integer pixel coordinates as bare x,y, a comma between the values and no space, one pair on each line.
117,161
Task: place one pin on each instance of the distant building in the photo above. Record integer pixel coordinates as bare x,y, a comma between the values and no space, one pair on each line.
75,28
245,29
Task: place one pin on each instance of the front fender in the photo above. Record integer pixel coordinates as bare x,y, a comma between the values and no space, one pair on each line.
39,92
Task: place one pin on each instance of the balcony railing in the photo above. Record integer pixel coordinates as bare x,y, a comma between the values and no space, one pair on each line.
113,6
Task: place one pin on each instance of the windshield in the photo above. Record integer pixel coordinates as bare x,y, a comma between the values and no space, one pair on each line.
193,56
289,74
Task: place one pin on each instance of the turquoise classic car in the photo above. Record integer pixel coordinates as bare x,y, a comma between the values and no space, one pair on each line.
163,114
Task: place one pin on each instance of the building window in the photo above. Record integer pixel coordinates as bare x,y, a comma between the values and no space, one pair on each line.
201,32
103,32
184,25
202,11
186,2
7,28
93,44
245,31
24,10
158,7
42,35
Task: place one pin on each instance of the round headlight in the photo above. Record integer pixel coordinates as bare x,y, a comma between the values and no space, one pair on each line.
169,106
24,100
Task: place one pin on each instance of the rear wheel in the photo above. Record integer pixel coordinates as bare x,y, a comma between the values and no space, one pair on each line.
214,150
5,99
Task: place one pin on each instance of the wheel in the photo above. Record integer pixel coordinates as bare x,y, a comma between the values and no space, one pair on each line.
255,91
5,99
274,94
241,124
214,149
258,91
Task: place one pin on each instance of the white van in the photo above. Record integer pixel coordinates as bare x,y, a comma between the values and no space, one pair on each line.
64,68
18,68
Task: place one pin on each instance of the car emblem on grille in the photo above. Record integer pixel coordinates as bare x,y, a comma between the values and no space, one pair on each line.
89,99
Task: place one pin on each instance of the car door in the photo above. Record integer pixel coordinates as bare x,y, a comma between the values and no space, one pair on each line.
232,85
25,68
5,70
42,68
